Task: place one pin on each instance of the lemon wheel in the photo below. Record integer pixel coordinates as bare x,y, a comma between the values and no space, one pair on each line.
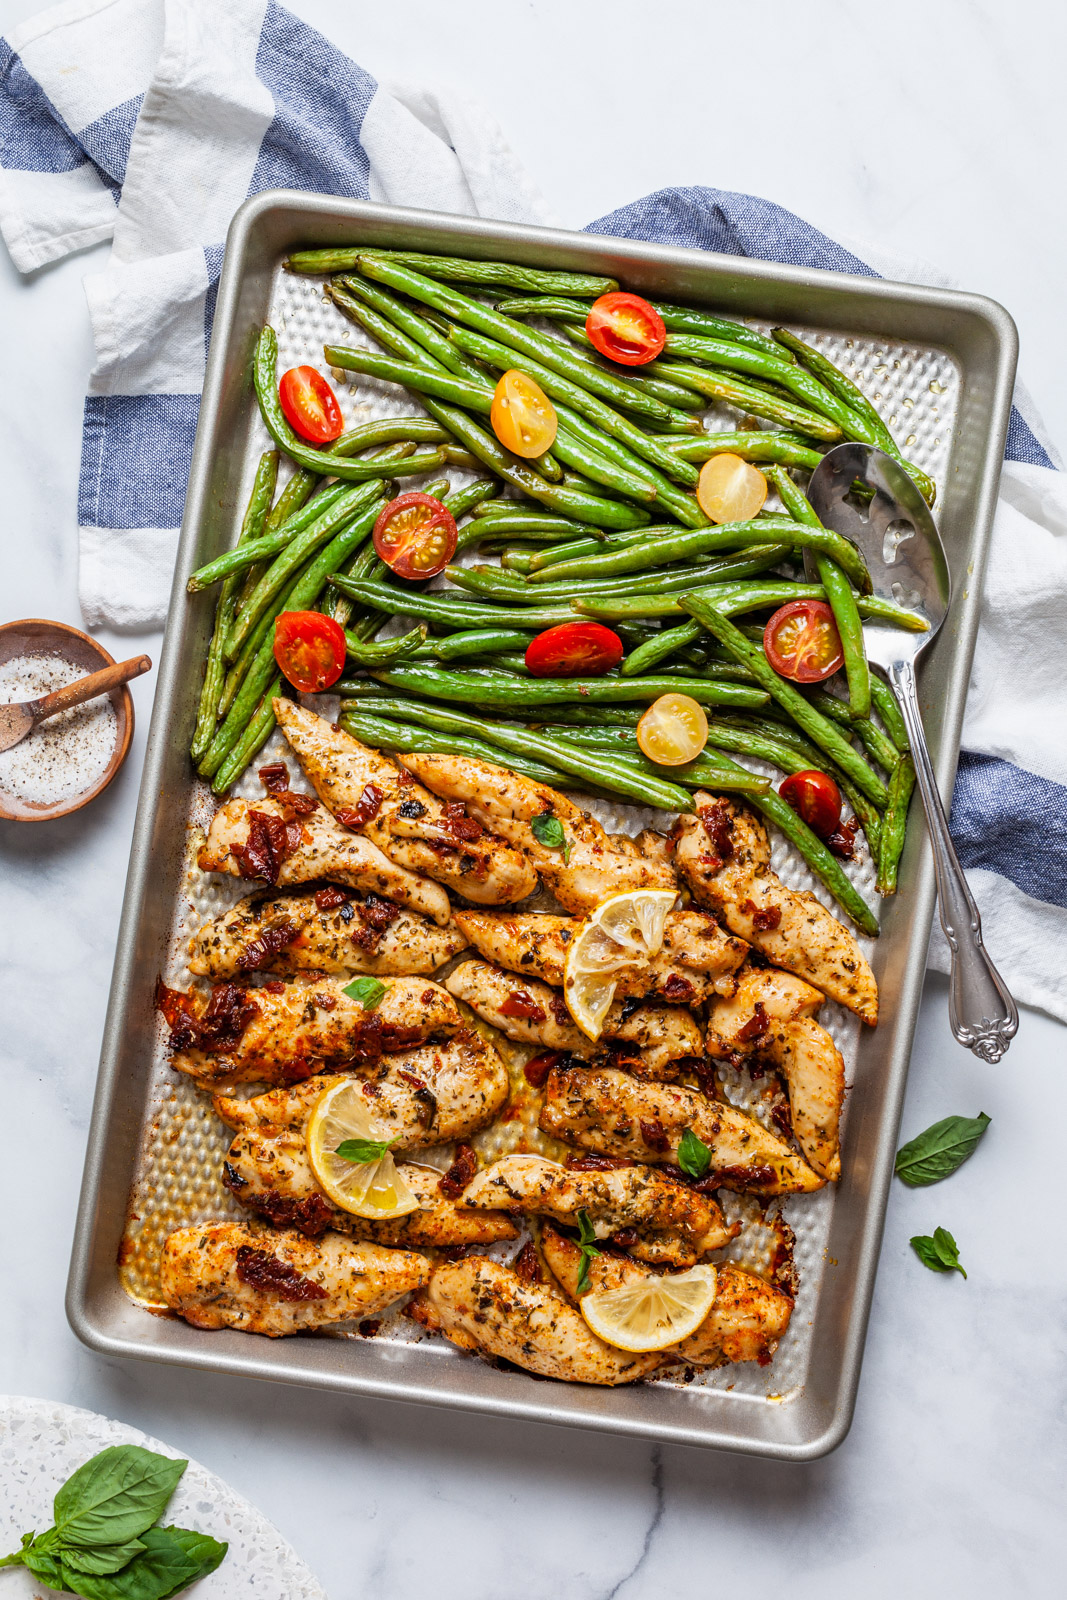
370,1188
654,1313
623,932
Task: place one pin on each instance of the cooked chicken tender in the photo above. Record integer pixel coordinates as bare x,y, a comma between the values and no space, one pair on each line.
595,865
745,1323
728,870
316,846
295,933
698,960
406,822
670,1222
224,1275
290,1028
534,1013
424,1097
272,1176
615,1114
773,1015
488,1308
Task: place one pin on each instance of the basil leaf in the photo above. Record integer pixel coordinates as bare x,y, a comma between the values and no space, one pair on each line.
101,1558
548,830
45,1565
363,1150
115,1496
694,1157
173,1558
940,1150
939,1252
367,992
586,1236
17,1558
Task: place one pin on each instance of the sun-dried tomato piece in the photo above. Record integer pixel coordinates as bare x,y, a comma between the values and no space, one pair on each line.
520,1003
537,1069
424,1095
719,826
266,848
843,840
558,1007
756,1026
678,990
654,1134
762,918
365,810
455,820
594,1163
376,912
526,1264
274,778
755,1177
463,1168
331,897
262,950
261,1270
215,1029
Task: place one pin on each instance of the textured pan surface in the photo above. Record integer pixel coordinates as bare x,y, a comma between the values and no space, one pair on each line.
156,1145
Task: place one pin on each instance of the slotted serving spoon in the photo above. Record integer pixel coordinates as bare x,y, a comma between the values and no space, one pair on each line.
899,541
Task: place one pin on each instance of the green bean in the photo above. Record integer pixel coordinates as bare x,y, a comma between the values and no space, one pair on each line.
752,397
255,736
597,468
549,467
490,526
686,319
885,703
384,735
454,268
770,368
455,611
498,689
751,444
658,648
474,641
543,305
292,497
853,397
732,599
901,784
287,562
382,430
483,491
672,394
382,652
822,732
270,544
878,746
838,592
423,379
399,328
255,515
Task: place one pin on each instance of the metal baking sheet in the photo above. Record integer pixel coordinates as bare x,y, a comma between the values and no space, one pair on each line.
940,365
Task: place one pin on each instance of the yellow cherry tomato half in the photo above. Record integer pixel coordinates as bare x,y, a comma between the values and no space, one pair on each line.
673,730
729,489
523,417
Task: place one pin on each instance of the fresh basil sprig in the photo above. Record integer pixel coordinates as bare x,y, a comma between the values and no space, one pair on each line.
938,1251
364,1150
694,1157
366,992
940,1150
548,831
587,1245
106,1544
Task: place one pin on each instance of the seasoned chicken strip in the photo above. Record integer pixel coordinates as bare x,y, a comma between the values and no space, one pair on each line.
745,1323
728,870
406,822
698,960
424,1097
485,1307
224,1275
318,847
669,1222
534,1013
618,1115
772,1015
272,1176
294,933
290,1028
595,866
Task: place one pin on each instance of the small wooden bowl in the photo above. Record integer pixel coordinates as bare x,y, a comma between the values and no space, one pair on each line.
35,636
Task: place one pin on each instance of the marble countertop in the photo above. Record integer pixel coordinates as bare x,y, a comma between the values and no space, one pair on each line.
950,1479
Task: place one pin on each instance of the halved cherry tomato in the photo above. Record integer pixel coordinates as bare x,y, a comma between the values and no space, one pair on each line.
310,649
574,650
523,417
730,489
673,730
626,328
802,642
310,405
816,798
416,535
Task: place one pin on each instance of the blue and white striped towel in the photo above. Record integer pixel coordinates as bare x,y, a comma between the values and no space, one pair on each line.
147,122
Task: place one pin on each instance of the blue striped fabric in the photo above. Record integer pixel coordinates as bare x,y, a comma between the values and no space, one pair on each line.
33,136
1013,823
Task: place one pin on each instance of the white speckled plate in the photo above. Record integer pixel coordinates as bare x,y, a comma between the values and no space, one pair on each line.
42,1442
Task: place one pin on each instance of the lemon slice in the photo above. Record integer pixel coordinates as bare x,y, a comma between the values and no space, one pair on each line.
624,931
365,1188
654,1313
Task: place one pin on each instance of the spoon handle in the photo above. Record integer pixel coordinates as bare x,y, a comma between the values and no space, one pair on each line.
982,1013
102,682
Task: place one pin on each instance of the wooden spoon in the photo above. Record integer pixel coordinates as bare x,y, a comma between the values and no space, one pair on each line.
16,721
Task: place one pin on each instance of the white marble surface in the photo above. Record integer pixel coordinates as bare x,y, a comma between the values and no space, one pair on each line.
936,130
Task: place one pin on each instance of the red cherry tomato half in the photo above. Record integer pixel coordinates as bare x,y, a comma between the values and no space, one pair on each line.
626,328
310,405
574,650
802,642
416,535
310,649
816,799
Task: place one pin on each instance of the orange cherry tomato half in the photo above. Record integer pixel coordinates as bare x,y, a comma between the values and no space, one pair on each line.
730,489
523,417
673,730
416,535
310,405
574,650
626,328
801,641
310,649
815,798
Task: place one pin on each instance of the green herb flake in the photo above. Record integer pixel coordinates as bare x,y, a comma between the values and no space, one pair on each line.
587,1245
694,1157
940,1150
364,1150
366,992
938,1251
